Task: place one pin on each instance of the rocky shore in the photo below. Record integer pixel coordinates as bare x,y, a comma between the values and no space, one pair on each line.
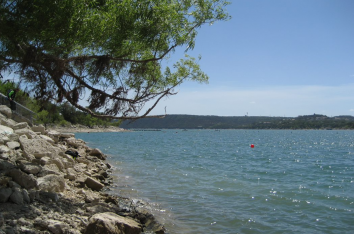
44,189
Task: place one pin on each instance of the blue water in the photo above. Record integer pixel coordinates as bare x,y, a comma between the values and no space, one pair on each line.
205,181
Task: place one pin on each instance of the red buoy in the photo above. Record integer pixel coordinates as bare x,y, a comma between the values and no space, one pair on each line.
252,145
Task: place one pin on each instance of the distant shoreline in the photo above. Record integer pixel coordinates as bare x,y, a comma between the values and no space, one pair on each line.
80,128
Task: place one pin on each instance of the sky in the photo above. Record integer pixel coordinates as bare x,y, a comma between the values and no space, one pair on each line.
273,58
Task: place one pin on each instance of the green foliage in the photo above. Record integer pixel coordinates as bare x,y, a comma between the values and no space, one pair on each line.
242,122
111,52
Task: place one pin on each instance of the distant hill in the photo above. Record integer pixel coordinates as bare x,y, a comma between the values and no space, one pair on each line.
241,122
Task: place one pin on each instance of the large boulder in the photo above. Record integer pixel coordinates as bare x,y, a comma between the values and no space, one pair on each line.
38,147
26,181
51,183
111,223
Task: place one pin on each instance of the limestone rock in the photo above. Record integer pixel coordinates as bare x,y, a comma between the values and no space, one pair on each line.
27,132
39,128
111,223
5,111
47,138
8,123
4,149
20,125
13,145
23,179
96,152
37,147
49,169
93,184
57,227
71,174
5,193
51,183
29,168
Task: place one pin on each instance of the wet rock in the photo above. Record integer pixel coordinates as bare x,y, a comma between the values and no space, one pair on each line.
112,223
93,184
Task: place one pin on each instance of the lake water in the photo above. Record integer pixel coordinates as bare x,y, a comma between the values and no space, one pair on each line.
206,181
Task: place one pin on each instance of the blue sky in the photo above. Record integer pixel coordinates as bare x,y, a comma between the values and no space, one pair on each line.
273,58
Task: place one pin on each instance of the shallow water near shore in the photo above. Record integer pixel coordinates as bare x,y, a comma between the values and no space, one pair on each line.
206,181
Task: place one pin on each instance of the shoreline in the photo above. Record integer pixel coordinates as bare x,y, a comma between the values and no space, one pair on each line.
81,128
43,189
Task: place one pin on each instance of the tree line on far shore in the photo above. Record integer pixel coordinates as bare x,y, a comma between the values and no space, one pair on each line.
314,121
48,113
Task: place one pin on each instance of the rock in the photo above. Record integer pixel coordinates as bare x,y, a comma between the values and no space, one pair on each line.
8,123
96,152
4,149
42,154
27,132
49,169
59,164
17,196
45,160
20,125
47,138
39,128
4,165
13,184
111,223
13,137
37,147
26,181
4,180
5,193
71,174
25,196
48,196
57,227
5,111
93,184
51,183
2,221
33,194
29,168
13,145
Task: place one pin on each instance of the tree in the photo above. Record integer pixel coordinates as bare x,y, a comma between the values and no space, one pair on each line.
110,52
